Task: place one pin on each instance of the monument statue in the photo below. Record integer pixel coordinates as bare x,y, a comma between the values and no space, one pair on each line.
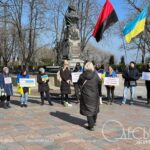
70,43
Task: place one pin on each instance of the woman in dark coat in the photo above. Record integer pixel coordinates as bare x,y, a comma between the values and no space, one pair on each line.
148,85
43,87
89,83
78,68
65,89
6,84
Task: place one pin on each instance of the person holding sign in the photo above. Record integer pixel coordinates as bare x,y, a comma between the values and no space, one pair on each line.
6,84
65,89
110,89
78,68
147,83
23,91
130,75
43,87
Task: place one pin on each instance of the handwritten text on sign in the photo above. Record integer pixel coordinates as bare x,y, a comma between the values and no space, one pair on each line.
146,76
27,82
111,81
8,80
75,76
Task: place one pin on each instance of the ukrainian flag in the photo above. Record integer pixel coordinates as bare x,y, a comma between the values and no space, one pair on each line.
136,26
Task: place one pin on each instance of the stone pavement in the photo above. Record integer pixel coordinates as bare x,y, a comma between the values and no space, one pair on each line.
58,128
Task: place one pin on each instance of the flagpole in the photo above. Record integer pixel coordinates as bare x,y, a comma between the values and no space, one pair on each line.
137,55
123,42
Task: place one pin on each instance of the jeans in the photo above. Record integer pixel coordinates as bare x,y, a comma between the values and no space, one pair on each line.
91,120
24,98
132,93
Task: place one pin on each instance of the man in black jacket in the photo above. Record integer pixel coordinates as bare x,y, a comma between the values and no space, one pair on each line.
131,75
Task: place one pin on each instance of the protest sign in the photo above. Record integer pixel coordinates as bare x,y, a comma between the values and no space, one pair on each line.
111,81
27,82
44,77
8,80
75,76
146,76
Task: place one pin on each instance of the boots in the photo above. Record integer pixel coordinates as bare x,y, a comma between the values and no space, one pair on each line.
5,105
42,102
8,104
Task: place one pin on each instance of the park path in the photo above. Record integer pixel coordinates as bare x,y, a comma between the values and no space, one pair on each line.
59,128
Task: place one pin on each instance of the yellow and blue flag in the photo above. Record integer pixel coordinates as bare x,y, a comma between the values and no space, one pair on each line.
136,26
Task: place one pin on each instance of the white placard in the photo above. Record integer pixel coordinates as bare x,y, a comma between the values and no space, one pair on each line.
27,82
8,80
146,76
111,81
75,76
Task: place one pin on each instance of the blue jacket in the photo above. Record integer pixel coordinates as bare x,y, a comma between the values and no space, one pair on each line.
8,88
21,76
113,74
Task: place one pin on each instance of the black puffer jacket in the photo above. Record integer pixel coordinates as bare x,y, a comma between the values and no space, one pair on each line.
89,101
131,74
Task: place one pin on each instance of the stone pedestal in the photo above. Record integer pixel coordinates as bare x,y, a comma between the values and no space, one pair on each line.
73,62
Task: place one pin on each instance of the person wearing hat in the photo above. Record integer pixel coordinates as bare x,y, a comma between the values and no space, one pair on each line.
23,91
65,89
43,87
6,85
130,75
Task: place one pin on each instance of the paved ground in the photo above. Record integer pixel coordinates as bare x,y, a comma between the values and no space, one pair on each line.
57,128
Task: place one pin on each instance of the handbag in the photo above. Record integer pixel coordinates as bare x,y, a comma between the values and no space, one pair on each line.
3,95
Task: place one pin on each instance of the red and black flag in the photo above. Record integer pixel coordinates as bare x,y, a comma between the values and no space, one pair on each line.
106,18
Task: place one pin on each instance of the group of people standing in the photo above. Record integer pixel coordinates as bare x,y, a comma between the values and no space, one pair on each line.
6,87
88,88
